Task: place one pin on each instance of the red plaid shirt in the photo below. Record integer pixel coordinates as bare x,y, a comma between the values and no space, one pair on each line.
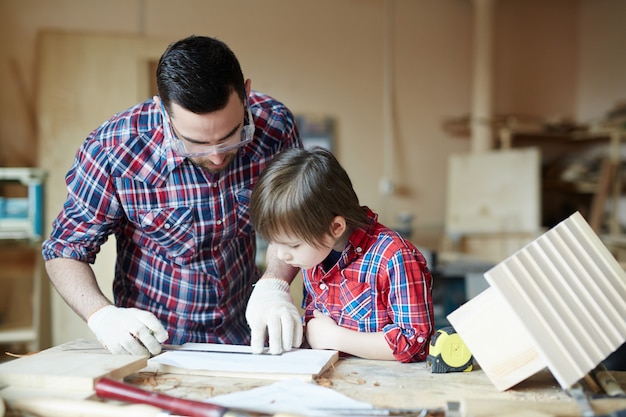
380,283
185,245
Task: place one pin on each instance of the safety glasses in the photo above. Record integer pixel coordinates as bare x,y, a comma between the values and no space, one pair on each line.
190,150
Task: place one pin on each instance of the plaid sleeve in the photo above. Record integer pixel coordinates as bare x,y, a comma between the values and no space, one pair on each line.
90,210
409,306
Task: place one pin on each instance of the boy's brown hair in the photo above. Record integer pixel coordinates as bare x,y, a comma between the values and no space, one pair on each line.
300,192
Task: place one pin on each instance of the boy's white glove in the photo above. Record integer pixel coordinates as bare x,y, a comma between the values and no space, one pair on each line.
127,330
271,307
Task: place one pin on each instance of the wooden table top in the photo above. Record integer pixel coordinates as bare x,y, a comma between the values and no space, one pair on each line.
390,384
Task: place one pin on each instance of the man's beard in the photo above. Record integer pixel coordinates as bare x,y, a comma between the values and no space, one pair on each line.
209,167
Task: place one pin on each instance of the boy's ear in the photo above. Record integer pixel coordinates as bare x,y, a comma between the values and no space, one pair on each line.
338,226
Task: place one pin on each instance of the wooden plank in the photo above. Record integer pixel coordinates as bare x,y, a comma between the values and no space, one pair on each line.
570,295
607,177
71,72
497,339
494,247
72,366
17,285
237,361
492,192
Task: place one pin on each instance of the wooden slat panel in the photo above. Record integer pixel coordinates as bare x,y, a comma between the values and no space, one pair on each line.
570,294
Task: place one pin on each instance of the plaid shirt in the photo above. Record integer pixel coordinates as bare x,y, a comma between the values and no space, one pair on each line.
380,283
185,244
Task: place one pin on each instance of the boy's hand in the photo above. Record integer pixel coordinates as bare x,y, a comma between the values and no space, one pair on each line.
271,307
321,330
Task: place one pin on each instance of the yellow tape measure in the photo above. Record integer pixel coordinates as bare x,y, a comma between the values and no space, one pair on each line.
448,352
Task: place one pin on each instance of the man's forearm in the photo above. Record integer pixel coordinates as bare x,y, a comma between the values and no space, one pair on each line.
76,284
275,268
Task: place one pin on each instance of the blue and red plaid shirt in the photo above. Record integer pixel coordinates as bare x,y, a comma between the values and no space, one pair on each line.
381,283
185,244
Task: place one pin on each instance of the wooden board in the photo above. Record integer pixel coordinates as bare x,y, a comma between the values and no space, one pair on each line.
497,339
492,192
494,247
72,366
83,79
237,361
598,203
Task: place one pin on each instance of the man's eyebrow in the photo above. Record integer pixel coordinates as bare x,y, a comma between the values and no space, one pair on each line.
201,142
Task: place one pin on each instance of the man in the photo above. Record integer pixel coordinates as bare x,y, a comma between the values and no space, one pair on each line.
171,178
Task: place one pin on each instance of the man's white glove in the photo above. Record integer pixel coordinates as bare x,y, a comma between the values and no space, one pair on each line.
127,330
271,307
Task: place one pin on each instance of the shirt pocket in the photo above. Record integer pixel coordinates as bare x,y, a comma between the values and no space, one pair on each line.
170,229
356,299
244,225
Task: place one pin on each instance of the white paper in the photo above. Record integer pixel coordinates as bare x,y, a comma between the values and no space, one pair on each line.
298,361
293,396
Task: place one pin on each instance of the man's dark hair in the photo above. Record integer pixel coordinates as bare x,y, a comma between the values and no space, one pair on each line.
199,73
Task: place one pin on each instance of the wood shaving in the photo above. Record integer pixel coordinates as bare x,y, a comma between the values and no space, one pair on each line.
19,355
324,382
211,390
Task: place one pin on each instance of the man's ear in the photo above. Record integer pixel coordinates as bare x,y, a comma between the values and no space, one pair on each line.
338,226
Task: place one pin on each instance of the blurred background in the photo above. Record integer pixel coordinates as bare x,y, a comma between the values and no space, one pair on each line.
469,126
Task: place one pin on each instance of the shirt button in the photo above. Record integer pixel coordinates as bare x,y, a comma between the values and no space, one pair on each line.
214,185
219,222
215,248
359,250
420,339
167,225
323,286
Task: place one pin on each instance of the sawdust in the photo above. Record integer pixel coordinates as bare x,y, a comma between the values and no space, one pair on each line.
167,383
153,379
335,374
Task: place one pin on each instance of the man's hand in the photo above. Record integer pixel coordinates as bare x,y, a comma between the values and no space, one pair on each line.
271,307
127,330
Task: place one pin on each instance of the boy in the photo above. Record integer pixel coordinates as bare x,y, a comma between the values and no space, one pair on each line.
367,290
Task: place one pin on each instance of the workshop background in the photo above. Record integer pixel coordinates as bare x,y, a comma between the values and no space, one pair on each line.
396,87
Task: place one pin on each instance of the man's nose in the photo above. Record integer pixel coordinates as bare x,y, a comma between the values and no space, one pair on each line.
217,158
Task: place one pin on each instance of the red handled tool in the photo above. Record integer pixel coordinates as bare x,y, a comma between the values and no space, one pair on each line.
115,390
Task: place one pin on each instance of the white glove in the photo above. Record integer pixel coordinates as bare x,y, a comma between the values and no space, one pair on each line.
127,330
271,306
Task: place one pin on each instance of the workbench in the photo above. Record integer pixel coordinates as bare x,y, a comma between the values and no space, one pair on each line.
384,384
391,384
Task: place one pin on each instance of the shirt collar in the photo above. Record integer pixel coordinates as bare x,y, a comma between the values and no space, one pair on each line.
361,238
